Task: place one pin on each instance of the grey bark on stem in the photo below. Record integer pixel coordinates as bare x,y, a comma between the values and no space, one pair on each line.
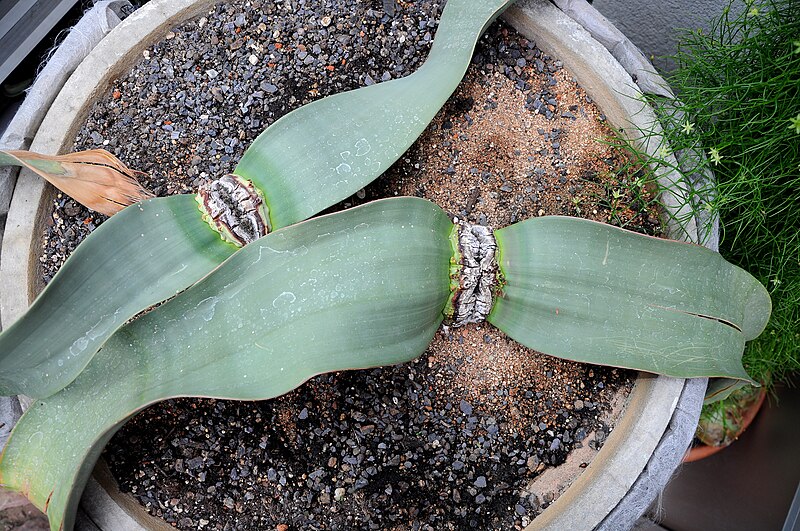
478,274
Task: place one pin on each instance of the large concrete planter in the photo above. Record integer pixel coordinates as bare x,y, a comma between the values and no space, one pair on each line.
610,493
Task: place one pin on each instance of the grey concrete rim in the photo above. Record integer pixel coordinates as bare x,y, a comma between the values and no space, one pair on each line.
608,480
653,400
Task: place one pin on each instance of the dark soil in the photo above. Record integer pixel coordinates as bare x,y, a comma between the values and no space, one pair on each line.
450,441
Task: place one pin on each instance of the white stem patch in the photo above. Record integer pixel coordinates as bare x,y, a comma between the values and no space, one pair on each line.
478,274
234,208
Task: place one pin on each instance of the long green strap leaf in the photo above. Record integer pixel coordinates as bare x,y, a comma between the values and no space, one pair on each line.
305,162
367,287
139,257
361,288
329,149
721,388
590,292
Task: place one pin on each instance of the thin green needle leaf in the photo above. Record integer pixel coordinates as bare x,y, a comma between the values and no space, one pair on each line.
361,288
329,149
139,257
590,292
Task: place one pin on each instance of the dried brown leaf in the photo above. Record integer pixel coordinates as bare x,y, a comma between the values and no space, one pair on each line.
95,178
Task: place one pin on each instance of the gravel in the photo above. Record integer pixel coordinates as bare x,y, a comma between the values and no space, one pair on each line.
196,100
387,448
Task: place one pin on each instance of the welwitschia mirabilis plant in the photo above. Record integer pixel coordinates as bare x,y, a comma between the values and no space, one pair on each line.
357,289
369,286
303,163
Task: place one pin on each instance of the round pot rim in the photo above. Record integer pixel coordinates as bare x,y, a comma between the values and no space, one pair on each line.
653,400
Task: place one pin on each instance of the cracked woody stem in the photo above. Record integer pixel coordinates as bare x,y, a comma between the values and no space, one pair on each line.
361,288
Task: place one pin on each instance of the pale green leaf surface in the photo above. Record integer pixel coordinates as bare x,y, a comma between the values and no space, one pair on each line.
328,150
590,292
721,388
44,165
361,288
305,162
139,257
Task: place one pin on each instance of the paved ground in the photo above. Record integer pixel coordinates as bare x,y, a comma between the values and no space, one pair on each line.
653,25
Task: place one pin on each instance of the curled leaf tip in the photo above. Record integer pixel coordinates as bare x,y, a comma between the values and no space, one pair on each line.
473,297
235,208
94,178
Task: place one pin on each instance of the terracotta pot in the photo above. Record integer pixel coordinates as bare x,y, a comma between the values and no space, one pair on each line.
744,419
